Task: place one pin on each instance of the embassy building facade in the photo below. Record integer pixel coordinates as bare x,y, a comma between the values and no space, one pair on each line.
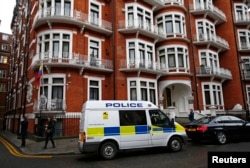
178,54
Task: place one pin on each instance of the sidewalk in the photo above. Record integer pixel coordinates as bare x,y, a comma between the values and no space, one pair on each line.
63,145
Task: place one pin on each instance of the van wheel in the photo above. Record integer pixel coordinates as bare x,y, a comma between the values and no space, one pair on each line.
221,137
108,150
175,144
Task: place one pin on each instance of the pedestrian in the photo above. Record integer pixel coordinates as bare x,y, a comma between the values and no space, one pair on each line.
24,127
49,131
191,116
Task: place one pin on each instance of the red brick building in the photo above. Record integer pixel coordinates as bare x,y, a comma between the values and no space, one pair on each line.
178,54
5,53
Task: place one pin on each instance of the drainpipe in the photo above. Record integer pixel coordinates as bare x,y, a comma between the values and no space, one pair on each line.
26,59
114,48
194,69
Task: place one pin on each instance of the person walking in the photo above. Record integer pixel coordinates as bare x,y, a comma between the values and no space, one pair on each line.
49,131
24,127
191,116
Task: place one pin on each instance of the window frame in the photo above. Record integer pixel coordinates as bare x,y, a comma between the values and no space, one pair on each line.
2,87
97,18
4,59
46,41
3,73
161,22
138,16
46,88
143,53
205,30
98,87
137,88
212,94
210,59
241,12
163,54
244,34
49,8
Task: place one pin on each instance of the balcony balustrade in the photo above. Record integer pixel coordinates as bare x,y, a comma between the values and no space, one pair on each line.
74,17
151,67
158,4
246,74
50,105
242,20
244,47
135,26
211,40
209,10
213,72
74,60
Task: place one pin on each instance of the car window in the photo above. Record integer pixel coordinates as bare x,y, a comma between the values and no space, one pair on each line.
228,119
223,119
235,119
204,120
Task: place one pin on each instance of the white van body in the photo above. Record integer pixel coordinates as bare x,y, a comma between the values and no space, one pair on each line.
109,126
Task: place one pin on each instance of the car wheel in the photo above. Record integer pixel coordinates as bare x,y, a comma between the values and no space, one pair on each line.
175,144
108,150
221,137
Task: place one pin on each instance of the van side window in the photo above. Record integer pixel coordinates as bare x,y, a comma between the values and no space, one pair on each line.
129,117
159,118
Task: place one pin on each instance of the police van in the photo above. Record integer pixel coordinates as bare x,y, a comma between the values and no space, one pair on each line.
109,126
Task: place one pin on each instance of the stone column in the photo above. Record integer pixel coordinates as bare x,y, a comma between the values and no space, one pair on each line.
212,110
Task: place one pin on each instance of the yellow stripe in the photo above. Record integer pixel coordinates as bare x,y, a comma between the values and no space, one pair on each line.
156,130
99,131
179,128
16,153
127,130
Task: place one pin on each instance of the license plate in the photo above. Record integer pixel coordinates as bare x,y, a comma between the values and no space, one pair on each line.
191,129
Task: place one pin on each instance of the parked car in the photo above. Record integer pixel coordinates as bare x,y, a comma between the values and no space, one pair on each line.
220,129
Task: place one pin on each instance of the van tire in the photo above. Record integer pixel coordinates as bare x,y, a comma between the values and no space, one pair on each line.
175,144
108,150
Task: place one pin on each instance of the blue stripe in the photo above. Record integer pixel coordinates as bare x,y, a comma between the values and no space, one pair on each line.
168,130
109,131
141,129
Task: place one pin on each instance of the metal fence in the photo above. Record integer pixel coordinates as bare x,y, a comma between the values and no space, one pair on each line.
65,125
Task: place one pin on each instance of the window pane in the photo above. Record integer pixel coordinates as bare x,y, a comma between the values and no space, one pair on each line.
171,61
137,117
94,94
133,95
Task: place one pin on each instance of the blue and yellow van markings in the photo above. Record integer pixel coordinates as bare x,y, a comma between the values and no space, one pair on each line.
132,130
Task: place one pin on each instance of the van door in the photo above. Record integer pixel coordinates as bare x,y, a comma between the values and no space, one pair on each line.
134,131
161,128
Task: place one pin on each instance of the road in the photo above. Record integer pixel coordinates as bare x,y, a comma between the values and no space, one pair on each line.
192,156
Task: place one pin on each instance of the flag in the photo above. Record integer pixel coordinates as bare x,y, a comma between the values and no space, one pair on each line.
39,76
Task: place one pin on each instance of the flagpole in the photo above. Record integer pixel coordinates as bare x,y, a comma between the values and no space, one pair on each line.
42,81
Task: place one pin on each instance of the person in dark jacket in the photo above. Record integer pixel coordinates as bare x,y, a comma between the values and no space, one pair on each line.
24,127
49,131
191,116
